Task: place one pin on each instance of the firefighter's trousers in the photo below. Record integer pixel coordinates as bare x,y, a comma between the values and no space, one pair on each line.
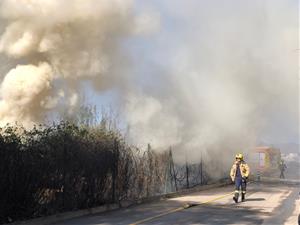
240,183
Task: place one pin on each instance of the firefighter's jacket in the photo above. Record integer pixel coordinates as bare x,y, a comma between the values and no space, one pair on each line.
244,168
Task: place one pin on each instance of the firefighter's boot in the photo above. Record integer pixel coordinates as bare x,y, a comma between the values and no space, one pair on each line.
243,197
236,197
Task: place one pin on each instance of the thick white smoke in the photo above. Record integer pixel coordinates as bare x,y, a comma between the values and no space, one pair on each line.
151,121
216,76
55,45
228,77
27,86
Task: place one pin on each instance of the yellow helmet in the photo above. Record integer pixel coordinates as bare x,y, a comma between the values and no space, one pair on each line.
239,156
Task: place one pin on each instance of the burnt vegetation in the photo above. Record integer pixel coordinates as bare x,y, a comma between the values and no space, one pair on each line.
66,166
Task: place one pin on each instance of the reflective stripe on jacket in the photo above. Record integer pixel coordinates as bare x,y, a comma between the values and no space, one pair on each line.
244,168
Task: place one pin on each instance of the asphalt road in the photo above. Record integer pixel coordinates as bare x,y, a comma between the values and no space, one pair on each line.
265,204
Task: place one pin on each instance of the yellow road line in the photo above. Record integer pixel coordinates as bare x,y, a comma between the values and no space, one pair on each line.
220,197
157,216
179,209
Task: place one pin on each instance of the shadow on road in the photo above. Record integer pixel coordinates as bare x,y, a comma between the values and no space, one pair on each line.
212,215
255,199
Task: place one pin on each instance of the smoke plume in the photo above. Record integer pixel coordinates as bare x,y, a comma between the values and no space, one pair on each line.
226,78
213,77
54,46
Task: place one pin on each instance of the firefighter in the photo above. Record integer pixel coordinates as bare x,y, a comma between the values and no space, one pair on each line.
282,168
239,174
